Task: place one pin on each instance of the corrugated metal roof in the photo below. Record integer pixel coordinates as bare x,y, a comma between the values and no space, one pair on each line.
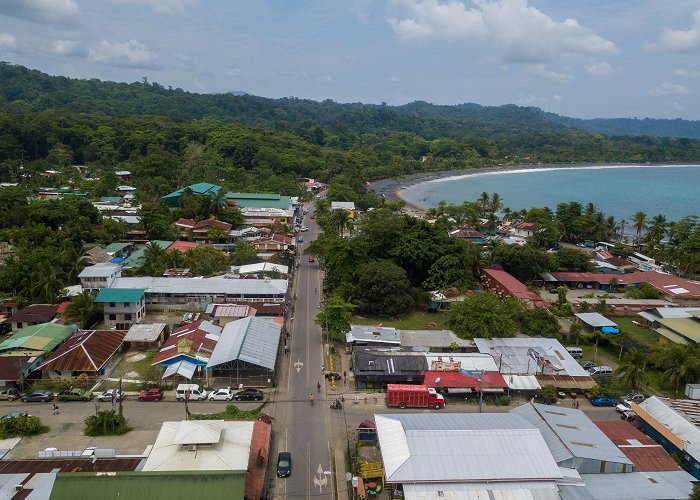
127,295
522,382
202,336
69,465
462,447
570,433
143,332
644,452
373,334
43,337
184,368
85,351
631,486
596,320
99,270
232,311
195,286
35,313
471,361
515,490
680,416
253,340
432,338
263,267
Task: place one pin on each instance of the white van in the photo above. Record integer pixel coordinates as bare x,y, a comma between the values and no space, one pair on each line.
196,393
601,371
576,352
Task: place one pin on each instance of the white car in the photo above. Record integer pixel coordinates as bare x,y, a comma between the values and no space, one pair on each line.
221,395
304,228
106,396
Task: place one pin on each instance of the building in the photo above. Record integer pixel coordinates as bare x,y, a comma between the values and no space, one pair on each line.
679,325
595,321
619,307
439,455
347,206
468,234
574,440
199,189
144,336
375,367
263,209
119,249
188,348
525,229
99,276
202,229
261,268
123,307
29,346
32,315
360,335
247,351
182,246
88,352
439,341
138,257
506,285
464,382
274,243
544,359
223,314
195,293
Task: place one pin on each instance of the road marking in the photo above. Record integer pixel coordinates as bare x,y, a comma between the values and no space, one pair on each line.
298,365
308,470
320,478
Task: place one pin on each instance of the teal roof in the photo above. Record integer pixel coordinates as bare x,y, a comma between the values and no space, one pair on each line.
43,337
120,295
136,259
110,199
116,247
201,188
259,200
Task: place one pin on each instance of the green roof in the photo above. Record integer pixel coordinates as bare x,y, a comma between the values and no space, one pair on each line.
44,337
106,199
116,247
150,485
201,188
120,295
259,200
688,327
136,259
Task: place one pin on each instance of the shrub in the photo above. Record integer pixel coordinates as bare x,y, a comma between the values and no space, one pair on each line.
106,423
21,426
503,400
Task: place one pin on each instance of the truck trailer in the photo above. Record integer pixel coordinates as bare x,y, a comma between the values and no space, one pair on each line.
413,396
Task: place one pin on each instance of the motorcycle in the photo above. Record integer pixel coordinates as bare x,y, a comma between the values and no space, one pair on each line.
336,405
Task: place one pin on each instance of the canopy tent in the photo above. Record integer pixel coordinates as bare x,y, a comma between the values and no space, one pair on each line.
184,368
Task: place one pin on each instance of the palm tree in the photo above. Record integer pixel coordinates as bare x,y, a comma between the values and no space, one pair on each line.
484,202
639,222
621,229
658,227
217,202
496,203
507,213
632,370
46,282
83,308
154,259
598,226
679,363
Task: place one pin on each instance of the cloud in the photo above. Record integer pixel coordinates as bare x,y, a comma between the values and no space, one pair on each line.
42,11
679,40
600,69
668,88
69,48
7,40
170,7
684,73
548,74
328,78
131,54
518,31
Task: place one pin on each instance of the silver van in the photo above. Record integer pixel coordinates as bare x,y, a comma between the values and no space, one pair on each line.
196,393
576,352
601,371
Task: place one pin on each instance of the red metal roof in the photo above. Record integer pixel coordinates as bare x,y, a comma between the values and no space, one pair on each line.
85,351
644,452
182,246
265,309
515,287
35,313
209,223
186,223
491,380
258,459
201,345
600,278
10,367
68,465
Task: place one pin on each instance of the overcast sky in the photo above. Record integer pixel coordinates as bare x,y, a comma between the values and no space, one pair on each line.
582,58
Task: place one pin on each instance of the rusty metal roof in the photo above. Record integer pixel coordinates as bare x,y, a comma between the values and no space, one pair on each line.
69,465
644,452
85,351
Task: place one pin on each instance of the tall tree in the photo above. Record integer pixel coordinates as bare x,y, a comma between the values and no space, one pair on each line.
639,223
334,317
632,369
485,315
83,308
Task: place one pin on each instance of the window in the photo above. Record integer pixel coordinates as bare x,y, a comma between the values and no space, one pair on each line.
112,304
19,324
112,317
127,317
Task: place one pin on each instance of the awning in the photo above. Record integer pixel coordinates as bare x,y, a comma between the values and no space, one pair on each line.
184,368
522,382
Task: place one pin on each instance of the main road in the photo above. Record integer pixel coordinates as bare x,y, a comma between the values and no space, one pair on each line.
300,426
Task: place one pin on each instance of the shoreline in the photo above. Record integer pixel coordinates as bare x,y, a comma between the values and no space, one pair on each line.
390,189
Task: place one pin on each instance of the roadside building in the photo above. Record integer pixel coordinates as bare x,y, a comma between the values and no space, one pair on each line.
630,486
260,209
247,352
190,345
360,335
506,285
465,382
375,367
123,307
86,352
223,314
145,336
525,229
99,276
346,206
32,315
273,243
137,258
596,321
260,268
199,189
14,369
29,346
438,341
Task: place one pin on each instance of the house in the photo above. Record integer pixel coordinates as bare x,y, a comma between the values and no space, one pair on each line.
463,382
247,351
263,209
144,336
138,257
525,229
185,226
96,255
506,285
199,189
375,367
182,246
450,453
373,336
225,313
32,315
123,307
123,175
14,369
89,352
347,206
194,293
469,235
189,347
202,229
619,307
99,276
680,330
436,341
260,268
596,321
274,243
30,346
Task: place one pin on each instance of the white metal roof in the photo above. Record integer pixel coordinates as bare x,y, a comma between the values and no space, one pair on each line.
570,433
432,338
371,334
463,447
342,205
231,311
681,417
142,332
184,368
253,340
517,490
596,320
470,361
263,267
522,382
102,270
230,452
194,286
668,312
631,486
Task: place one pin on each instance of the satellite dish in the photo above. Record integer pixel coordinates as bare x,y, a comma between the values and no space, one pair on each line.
437,380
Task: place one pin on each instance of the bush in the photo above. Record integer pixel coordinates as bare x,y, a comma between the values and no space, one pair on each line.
106,423
21,426
547,395
503,400
232,412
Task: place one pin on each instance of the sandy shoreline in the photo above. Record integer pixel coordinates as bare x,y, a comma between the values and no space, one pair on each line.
390,188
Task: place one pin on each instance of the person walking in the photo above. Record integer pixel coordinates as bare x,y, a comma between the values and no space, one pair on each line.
55,409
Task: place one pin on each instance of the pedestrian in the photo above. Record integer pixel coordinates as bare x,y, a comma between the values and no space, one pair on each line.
323,368
55,409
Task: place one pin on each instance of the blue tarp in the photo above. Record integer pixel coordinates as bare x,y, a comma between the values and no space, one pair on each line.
610,329
117,260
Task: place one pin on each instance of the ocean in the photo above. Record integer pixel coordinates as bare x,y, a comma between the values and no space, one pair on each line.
673,191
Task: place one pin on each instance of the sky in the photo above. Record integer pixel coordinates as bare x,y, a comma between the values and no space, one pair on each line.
580,58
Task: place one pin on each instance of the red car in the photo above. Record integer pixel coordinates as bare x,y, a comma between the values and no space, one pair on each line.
153,393
312,258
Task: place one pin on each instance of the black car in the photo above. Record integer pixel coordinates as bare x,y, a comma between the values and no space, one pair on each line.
42,396
249,395
587,365
332,376
284,464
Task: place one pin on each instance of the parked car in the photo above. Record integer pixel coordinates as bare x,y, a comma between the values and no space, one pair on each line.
36,396
15,414
300,239
622,406
249,395
312,258
601,371
190,391
284,464
9,394
221,395
74,395
587,365
106,396
633,397
628,415
603,401
332,376
304,229
152,394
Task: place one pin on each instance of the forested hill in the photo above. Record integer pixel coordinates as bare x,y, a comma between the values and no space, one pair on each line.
25,90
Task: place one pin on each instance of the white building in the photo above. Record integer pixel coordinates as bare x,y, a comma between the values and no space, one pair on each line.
122,307
99,276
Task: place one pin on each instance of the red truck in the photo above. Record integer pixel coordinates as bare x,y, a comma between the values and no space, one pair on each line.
415,396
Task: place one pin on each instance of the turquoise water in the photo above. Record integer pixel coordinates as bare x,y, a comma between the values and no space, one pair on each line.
620,191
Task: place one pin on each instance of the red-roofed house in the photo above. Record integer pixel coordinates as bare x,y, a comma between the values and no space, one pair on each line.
193,343
87,351
203,227
645,453
274,243
525,229
506,285
32,315
182,246
185,224
463,382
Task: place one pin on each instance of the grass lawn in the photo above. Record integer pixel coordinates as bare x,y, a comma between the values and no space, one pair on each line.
641,334
414,321
135,365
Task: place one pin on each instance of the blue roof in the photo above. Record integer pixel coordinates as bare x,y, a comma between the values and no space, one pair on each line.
120,295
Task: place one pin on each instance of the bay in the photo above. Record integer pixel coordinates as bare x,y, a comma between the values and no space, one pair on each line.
671,190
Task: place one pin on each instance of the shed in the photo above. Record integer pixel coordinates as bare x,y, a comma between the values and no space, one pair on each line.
32,315
145,335
595,321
